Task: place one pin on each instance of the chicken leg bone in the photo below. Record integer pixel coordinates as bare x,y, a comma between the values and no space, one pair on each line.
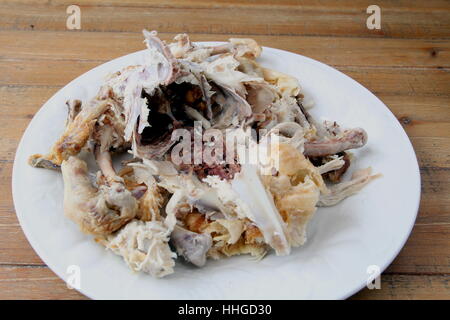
98,211
349,139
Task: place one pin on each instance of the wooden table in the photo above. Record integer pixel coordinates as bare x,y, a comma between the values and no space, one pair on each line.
406,64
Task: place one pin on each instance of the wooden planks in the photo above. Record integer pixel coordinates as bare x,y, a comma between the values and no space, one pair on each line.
17,282
426,252
33,282
398,5
407,287
330,50
384,80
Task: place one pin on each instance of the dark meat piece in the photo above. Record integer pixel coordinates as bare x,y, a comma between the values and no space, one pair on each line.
167,112
334,175
224,171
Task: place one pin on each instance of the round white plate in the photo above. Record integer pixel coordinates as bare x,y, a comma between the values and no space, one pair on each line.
367,229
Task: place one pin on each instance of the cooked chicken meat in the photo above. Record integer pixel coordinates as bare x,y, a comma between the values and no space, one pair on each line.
350,139
144,247
75,136
342,190
97,210
191,245
214,203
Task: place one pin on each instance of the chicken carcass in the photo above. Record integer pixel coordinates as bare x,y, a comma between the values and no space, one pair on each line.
207,209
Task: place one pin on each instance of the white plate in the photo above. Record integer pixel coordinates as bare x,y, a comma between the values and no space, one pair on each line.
367,229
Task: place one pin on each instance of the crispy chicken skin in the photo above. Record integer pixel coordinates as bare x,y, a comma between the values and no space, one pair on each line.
74,137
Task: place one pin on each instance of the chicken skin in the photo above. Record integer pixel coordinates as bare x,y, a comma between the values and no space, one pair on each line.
98,211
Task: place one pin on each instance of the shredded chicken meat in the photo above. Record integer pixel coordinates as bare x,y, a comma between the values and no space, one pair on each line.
155,209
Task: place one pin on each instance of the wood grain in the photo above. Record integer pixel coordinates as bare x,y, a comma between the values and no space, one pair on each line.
225,19
398,5
33,282
406,64
330,50
41,283
380,80
409,287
